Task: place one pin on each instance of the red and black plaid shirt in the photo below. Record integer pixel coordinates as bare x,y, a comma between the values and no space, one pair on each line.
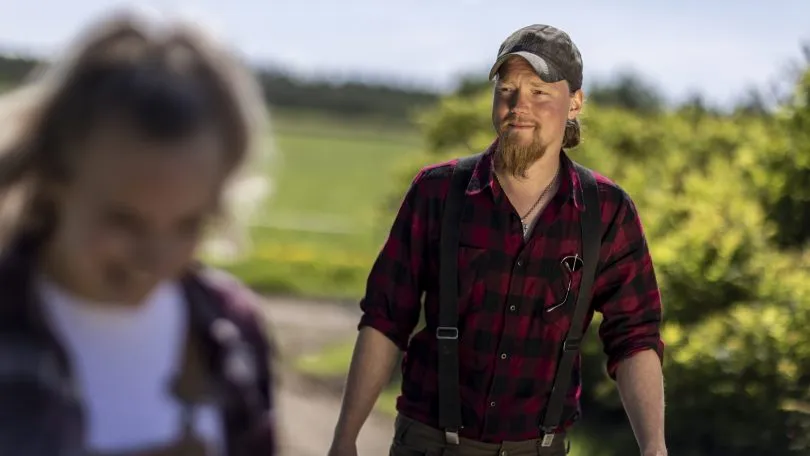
509,343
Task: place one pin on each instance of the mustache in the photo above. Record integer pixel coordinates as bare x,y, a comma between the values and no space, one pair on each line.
517,120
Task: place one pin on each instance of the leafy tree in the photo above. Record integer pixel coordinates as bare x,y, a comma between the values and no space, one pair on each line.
784,182
627,90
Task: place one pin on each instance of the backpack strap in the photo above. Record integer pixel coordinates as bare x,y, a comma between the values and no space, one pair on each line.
447,330
590,225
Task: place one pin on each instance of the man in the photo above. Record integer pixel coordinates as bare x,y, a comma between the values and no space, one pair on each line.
521,258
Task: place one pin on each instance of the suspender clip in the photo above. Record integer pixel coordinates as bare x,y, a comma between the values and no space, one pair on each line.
572,344
451,436
548,439
446,332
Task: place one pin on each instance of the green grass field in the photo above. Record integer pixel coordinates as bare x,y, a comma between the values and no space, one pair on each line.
318,233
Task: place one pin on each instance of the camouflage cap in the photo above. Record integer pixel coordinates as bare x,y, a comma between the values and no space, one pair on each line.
548,49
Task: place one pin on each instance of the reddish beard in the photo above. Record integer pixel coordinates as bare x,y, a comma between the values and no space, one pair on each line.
514,158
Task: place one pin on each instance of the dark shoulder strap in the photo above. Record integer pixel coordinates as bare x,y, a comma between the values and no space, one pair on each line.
590,224
447,331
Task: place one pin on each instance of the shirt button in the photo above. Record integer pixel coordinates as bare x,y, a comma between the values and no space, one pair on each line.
492,404
513,307
520,262
504,453
503,355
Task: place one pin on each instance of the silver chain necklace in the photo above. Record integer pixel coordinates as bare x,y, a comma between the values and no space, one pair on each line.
523,220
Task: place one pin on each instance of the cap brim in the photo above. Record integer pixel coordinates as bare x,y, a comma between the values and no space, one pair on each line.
545,70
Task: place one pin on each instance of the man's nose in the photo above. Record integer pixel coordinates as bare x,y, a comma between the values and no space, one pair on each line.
518,102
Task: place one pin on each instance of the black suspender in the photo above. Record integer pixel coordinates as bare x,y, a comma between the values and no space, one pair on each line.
590,225
447,330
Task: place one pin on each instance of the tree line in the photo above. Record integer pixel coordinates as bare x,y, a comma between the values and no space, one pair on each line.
282,90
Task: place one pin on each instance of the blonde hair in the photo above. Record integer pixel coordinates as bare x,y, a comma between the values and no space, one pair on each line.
56,104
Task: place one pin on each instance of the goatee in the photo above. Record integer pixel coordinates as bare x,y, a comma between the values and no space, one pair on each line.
514,158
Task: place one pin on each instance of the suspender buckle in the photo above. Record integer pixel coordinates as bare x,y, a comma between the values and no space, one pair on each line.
548,438
572,344
446,332
451,436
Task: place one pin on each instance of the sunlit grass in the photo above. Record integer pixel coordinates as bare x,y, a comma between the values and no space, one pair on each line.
318,232
333,361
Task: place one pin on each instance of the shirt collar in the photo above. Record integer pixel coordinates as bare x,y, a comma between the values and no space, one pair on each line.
483,177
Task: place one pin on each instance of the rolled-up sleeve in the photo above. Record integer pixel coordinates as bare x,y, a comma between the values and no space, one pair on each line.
626,291
392,301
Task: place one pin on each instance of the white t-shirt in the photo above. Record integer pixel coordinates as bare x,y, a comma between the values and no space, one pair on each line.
124,359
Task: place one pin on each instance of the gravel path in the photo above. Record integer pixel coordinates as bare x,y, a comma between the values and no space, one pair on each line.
307,414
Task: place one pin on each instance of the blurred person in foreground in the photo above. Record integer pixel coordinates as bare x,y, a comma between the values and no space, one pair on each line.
113,339
482,384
